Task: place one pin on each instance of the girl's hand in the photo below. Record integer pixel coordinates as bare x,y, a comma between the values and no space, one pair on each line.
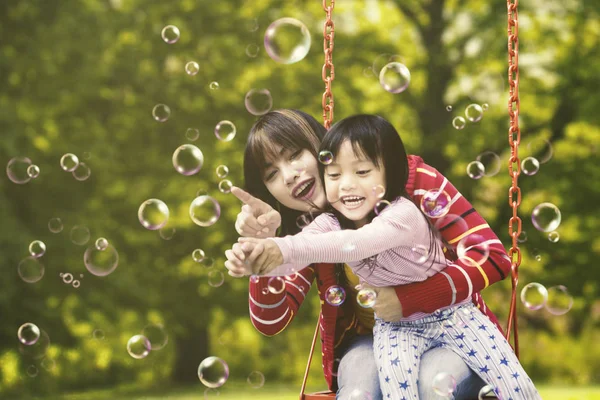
257,218
240,259
387,306
265,255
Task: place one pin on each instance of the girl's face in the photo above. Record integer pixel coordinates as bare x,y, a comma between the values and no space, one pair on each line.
293,179
352,183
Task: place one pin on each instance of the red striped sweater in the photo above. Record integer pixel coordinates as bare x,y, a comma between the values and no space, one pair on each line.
271,313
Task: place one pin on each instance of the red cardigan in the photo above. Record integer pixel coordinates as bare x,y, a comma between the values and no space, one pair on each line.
271,313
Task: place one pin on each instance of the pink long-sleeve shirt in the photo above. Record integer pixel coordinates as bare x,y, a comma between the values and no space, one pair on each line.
395,248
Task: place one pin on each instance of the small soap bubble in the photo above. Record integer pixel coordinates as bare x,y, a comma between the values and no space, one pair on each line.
559,300
258,101
252,25
28,333
335,295
75,283
37,248
491,163
546,217
82,172
55,225
475,170
473,250
32,371
161,112
80,235
192,134
534,296
448,108
276,284
167,233
474,112
553,237
486,392
213,372
101,244
101,262
366,297
16,170
522,238
138,346
459,123
33,171
153,214
170,34
326,157
541,149
380,206
69,162
222,171
30,269
208,262
225,186
188,159
530,166
98,334
304,220
214,86
394,77
198,255
67,278
48,364
435,203
256,379
205,211
156,335
287,40
378,191
444,384
252,50
225,131
215,278
485,106
192,68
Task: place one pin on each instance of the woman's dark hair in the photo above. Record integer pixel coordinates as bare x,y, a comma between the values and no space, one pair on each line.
289,129
376,139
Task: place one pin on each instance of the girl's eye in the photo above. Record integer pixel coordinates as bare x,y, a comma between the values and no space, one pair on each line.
295,155
363,171
333,176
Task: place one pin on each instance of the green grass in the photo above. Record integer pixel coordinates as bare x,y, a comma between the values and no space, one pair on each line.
241,391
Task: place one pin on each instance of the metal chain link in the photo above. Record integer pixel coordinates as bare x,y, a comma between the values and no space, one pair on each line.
514,165
328,72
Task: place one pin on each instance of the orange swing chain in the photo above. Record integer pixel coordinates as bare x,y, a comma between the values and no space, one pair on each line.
328,72
514,165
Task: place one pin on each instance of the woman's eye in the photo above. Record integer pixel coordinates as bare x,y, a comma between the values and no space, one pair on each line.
363,171
295,155
270,176
332,176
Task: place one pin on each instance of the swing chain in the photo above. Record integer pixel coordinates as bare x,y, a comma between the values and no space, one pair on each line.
328,72
514,165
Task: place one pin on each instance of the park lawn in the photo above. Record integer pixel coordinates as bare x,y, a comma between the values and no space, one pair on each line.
240,391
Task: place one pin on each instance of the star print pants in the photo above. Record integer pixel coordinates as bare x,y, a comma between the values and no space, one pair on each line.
464,330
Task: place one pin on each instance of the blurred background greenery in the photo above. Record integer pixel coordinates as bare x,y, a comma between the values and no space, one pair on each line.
83,77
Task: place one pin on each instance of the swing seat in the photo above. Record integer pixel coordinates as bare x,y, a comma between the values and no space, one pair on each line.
318,395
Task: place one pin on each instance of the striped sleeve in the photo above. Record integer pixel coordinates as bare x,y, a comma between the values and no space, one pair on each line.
271,310
461,279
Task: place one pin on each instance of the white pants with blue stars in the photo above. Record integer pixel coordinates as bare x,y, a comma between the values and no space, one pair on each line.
463,329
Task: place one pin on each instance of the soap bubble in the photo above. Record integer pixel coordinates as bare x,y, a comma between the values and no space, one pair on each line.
153,214
69,162
225,131
16,170
546,217
258,101
287,40
204,211
138,346
30,269
394,77
188,159
213,372
161,112
28,333
170,34
192,68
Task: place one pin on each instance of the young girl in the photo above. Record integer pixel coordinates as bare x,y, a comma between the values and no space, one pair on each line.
387,249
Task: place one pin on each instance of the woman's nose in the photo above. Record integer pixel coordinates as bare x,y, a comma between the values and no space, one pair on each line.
289,175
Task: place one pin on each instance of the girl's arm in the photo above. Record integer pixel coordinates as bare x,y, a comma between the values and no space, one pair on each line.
460,280
323,241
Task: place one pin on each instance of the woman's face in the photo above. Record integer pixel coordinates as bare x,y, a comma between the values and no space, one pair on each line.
293,179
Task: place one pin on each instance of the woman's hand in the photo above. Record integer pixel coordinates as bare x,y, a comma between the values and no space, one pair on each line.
387,306
257,218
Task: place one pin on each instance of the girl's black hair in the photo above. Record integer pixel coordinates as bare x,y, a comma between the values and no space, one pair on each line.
376,139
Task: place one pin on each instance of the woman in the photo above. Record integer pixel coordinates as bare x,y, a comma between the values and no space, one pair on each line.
281,169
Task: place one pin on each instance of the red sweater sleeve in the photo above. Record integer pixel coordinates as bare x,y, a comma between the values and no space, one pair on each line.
461,279
271,312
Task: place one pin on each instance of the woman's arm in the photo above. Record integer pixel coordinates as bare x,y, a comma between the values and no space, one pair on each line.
460,279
